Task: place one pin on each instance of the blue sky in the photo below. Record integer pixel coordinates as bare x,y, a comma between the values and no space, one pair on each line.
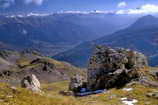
96,4
72,5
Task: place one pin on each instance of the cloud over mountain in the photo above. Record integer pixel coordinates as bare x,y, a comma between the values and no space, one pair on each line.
144,9
122,4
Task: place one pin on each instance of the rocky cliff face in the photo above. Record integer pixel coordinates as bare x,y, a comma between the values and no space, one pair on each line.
113,67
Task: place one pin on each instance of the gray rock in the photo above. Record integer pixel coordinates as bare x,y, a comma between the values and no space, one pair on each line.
154,73
110,68
147,82
153,94
77,82
32,83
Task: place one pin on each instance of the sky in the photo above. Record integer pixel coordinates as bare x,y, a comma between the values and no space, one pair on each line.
119,6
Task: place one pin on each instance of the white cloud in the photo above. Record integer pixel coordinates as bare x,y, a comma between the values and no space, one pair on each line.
37,2
148,8
122,4
144,9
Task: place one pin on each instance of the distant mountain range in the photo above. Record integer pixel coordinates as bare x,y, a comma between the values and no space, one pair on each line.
141,36
54,33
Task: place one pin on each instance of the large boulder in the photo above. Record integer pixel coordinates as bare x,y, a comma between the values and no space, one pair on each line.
110,68
76,83
31,82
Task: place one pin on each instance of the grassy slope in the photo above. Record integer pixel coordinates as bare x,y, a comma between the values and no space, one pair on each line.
51,96
68,68
21,65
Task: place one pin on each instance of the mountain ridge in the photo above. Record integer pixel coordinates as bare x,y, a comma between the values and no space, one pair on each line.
55,33
135,37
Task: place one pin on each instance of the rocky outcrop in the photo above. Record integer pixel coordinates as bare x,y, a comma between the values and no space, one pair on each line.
31,82
45,65
110,68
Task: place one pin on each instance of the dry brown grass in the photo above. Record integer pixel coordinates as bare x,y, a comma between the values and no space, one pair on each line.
51,95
